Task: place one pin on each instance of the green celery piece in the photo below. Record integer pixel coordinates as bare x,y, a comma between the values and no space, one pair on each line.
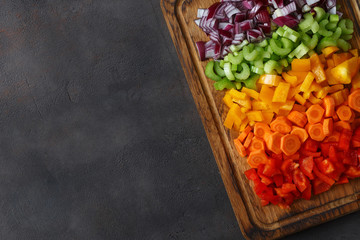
347,26
281,51
222,64
228,72
291,34
313,42
259,63
260,51
322,31
238,85
320,14
269,50
236,59
209,71
245,72
347,37
251,53
343,45
331,26
275,57
334,18
305,37
263,43
257,70
266,54
305,24
283,62
237,48
224,83
311,52
326,42
280,31
299,51
234,67
275,35
218,70
315,27
270,66
251,82
336,35
226,58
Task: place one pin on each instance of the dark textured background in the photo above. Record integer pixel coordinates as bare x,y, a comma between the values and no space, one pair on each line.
99,135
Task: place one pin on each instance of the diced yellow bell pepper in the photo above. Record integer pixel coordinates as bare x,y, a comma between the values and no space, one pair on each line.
255,116
300,99
229,120
294,91
234,115
259,105
322,93
236,95
346,70
268,116
315,100
355,82
315,87
338,97
288,105
252,123
244,102
227,99
336,88
290,79
266,94
269,80
307,82
330,78
275,107
281,92
244,109
306,94
251,93
244,124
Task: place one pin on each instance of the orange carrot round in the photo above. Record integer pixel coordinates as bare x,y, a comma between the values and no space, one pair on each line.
300,132
328,126
256,158
290,144
334,137
297,118
257,144
240,148
344,113
244,134
315,113
340,125
316,132
281,124
260,129
354,100
273,142
248,139
329,105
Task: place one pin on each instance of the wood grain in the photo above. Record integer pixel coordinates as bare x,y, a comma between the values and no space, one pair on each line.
256,222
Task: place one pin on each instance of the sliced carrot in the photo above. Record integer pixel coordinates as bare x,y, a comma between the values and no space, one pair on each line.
344,113
299,108
336,118
328,51
328,126
281,124
290,144
354,100
248,139
352,119
301,65
340,125
300,132
308,104
244,134
329,105
240,148
256,158
316,132
260,129
273,142
334,137
257,144
315,113
297,118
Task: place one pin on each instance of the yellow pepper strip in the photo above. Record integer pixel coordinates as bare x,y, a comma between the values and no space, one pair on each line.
306,95
290,79
244,103
328,51
250,92
300,99
281,92
275,107
330,78
315,100
266,94
236,95
315,87
344,72
227,99
255,116
286,108
270,80
294,91
237,125
244,125
252,123
234,115
336,88
259,105
268,117
338,97
317,68
355,82
307,82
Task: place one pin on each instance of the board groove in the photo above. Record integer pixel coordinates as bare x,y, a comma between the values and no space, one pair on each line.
255,221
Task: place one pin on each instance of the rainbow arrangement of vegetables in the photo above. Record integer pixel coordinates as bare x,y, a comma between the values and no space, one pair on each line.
293,94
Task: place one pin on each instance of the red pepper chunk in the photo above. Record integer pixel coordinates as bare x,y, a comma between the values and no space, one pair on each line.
306,166
278,180
345,138
251,174
326,167
323,177
311,145
306,194
332,154
300,180
320,186
325,147
353,172
351,157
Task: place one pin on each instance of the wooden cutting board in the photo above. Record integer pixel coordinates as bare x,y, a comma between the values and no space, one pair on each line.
256,222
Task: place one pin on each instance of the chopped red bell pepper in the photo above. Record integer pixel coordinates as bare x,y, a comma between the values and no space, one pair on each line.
339,169
326,167
325,147
311,145
320,186
323,177
251,174
353,172
264,202
271,169
342,180
306,166
288,187
278,180
351,157
345,138
332,154
306,194
287,167
300,180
